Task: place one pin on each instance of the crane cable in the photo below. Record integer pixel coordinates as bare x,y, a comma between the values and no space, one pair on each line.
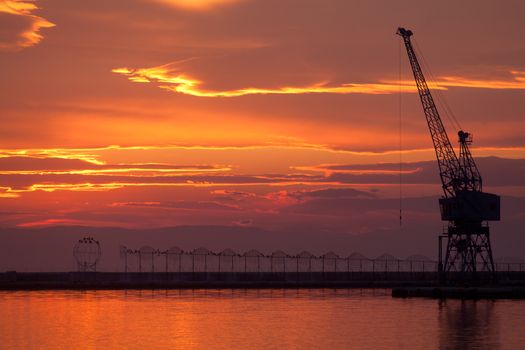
400,110
449,114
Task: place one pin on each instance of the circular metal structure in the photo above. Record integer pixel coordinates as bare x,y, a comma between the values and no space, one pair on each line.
87,253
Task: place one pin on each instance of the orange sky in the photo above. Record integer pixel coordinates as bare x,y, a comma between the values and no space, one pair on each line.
246,112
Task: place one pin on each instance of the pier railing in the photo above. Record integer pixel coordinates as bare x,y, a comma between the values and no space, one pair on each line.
148,259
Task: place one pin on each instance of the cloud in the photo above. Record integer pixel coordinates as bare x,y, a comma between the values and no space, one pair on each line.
170,77
19,183
230,195
29,174
494,170
289,198
52,222
180,204
357,207
516,81
337,193
6,192
369,169
21,28
16,165
243,222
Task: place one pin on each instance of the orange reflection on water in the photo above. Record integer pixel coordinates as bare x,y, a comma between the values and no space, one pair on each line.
254,319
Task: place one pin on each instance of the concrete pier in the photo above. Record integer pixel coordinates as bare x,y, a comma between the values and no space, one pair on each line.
405,284
162,280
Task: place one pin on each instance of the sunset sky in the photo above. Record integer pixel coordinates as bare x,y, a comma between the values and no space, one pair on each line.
281,116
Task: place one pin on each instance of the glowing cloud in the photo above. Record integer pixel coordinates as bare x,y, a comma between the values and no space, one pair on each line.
30,172
329,169
518,82
169,78
30,35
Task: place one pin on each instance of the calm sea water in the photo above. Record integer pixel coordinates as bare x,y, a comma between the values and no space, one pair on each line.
254,319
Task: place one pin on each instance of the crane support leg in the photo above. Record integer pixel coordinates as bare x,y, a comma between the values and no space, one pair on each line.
469,254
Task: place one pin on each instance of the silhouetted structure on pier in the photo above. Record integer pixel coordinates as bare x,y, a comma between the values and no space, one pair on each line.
203,260
464,205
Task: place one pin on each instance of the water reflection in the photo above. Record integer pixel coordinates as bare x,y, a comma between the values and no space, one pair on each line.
254,319
468,324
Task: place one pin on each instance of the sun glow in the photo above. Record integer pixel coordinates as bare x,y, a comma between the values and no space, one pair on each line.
198,5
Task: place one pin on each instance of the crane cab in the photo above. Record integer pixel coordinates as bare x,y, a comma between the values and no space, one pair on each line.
470,206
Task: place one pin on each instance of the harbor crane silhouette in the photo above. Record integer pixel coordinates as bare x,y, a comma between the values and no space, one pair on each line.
464,205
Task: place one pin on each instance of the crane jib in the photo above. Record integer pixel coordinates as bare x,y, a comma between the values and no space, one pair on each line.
459,176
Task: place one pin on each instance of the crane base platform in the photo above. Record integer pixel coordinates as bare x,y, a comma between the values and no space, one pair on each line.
460,292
